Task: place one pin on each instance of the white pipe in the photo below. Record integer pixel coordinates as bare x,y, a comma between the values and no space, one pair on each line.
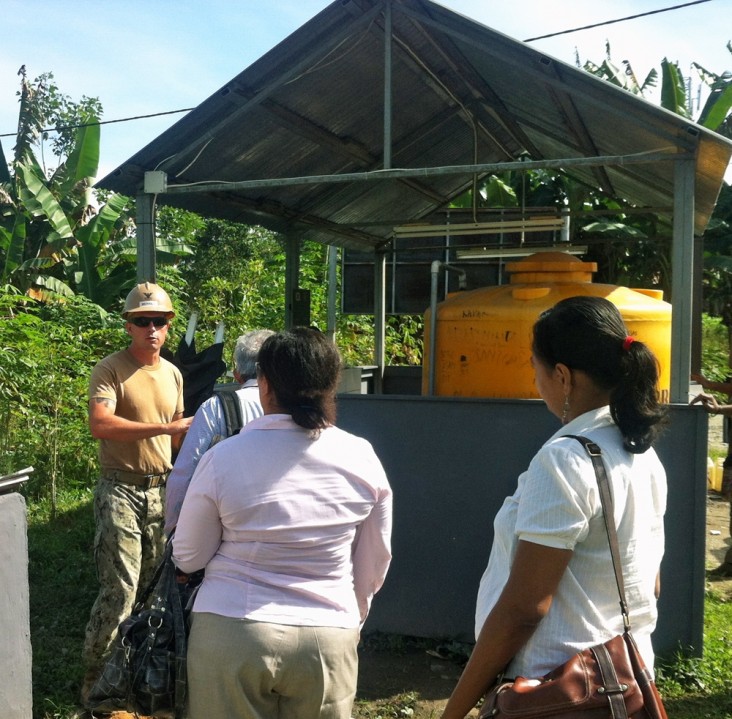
462,284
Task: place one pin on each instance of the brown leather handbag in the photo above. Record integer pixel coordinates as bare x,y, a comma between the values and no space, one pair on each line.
607,680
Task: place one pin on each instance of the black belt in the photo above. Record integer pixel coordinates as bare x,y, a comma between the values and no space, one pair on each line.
146,481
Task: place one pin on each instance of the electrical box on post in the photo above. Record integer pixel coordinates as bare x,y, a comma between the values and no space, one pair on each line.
301,308
156,181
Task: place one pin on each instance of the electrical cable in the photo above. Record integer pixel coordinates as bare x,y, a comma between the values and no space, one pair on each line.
529,39
611,22
104,122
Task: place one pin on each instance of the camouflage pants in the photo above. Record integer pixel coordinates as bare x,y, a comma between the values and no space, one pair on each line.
128,545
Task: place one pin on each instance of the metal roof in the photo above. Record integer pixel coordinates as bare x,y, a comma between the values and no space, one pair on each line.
296,142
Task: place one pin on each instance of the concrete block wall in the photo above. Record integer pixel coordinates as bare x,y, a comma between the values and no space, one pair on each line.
16,688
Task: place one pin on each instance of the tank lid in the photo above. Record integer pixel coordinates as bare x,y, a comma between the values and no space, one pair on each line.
551,262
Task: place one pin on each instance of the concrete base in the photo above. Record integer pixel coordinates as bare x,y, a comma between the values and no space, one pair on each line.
16,687
452,461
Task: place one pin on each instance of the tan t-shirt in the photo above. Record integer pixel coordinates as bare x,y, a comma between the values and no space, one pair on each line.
143,393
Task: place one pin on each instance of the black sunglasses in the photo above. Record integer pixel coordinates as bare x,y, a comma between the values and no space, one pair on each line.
145,321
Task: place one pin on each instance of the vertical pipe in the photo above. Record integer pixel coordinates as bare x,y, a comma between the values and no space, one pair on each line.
434,285
434,272
379,318
682,259
564,234
388,27
332,290
292,274
696,311
145,230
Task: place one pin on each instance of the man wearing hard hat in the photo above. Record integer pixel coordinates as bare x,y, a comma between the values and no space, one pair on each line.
136,413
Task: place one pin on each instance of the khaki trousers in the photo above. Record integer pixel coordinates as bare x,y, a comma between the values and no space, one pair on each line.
240,669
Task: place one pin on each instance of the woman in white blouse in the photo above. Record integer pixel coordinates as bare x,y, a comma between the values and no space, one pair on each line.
549,591
291,520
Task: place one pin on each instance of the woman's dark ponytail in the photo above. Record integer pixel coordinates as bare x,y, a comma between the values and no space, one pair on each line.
588,333
634,401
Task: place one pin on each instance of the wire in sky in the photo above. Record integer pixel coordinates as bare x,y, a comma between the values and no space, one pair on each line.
528,39
106,122
611,22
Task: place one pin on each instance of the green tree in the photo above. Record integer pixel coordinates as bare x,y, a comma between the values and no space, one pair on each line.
49,211
58,236
635,248
47,351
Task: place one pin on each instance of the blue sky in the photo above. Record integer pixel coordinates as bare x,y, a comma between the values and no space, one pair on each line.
146,56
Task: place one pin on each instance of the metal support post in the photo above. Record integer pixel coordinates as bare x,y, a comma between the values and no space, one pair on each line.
145,229
379,318
682,262
388,29
332,290
292,274
434,280
696,310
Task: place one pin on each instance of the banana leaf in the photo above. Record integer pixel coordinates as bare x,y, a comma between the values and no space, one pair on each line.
673,89
40,202
13,245
4,174
718,104
93,237
83,162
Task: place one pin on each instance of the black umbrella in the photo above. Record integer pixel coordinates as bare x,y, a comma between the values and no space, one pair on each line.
200,370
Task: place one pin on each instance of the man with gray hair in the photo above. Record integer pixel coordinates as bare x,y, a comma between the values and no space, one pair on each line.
210,426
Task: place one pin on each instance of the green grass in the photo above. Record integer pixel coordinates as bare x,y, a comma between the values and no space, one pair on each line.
699,688
63,587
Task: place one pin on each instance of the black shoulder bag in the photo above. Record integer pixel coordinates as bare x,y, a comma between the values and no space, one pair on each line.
146,671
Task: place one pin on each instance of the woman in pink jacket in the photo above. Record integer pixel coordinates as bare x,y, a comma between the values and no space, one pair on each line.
291,520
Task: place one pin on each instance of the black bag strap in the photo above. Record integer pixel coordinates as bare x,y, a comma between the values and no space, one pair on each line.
232,411
606,501
167,591
166,561
181,641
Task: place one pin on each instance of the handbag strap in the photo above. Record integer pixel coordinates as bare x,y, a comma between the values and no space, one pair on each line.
606,501
167,593
166,560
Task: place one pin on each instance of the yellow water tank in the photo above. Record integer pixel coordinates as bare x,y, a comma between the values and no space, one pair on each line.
483,337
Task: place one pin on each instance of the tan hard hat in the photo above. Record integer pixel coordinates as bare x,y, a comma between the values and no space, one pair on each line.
147,297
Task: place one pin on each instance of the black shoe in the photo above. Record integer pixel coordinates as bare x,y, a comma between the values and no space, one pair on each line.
723,571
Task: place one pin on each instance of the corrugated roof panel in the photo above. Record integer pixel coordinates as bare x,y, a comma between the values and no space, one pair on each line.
461,94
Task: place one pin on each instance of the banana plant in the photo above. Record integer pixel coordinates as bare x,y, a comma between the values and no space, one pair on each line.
673,89
715,114
55,239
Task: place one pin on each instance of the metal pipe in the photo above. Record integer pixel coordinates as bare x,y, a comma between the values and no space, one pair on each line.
145,230
397,173
332,290
379,319
682,272
462,284
388,28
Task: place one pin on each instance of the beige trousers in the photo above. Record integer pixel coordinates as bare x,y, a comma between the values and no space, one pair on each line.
240,669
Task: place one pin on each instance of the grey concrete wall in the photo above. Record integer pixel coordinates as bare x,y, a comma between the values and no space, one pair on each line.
16,697
451,462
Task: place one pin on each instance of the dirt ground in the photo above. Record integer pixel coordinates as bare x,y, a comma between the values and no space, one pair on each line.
414,681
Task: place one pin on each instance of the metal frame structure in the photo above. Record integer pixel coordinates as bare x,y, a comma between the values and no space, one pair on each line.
359,178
